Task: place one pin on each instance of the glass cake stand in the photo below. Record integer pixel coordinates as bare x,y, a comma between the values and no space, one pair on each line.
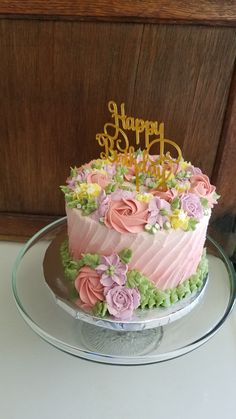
87,339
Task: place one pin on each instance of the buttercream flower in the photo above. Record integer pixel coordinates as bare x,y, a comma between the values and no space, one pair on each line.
102,205
191,204
182,185
130,173
112,270
158,210
200,185
179,219
81,176
122,194
144,197
122,301
87,189
193,170
98,177
168,195
110,169
89,286
126,215
172,166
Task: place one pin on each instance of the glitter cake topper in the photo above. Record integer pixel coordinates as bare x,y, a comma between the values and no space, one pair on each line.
117,147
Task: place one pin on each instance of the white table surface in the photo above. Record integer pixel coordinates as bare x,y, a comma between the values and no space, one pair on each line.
37,381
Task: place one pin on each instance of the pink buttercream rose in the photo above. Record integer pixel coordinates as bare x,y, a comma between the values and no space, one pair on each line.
126,215
200,185
166,195
97,177
122,301
89,286
130,173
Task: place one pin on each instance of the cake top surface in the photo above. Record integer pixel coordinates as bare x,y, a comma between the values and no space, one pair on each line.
107,193
131,189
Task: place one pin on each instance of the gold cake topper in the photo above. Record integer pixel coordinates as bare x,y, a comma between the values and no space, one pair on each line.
117,147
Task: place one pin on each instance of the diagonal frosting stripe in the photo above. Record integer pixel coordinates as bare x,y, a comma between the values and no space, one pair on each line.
167,258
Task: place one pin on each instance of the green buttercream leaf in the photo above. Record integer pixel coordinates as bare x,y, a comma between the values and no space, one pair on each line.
121,170
91,259
71,267
88,205
100,309
192,224
125,255
65,189
110,188
204,202
171,183
163,212
216,196
152,185
175,204
73,171
97,164
181,174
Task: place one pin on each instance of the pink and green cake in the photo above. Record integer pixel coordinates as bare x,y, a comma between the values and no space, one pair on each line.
132,248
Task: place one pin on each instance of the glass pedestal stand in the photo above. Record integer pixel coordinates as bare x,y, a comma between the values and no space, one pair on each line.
122,345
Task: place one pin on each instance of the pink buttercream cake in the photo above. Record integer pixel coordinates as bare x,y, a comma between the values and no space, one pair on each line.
135,246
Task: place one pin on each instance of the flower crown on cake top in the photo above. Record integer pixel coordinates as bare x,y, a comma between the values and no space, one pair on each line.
131,190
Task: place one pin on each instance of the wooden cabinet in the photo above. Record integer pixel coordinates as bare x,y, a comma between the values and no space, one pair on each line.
62,61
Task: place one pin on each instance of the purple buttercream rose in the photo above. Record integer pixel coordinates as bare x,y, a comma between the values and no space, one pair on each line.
191,204
112,270
158,209
193,170
122,301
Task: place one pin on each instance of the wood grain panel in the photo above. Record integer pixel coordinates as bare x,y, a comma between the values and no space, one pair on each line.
205,11
188,75
57,77
224,174
56,80
20,227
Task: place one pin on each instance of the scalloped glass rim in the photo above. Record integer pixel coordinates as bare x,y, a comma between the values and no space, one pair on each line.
113,359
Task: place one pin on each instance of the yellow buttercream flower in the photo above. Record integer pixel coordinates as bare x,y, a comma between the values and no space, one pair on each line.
144,197
184,164
182,187
179,219
87,189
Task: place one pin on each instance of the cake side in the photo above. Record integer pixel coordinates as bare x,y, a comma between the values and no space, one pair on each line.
166,258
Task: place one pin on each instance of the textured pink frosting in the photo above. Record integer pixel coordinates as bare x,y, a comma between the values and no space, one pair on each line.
166,258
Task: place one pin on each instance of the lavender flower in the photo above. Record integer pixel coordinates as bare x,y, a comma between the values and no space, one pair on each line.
81,176
110,169
122,194
102,205
112,271
191,204
193,170
122,301
158,211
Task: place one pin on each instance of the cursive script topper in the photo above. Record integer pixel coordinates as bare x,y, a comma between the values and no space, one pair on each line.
117,148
